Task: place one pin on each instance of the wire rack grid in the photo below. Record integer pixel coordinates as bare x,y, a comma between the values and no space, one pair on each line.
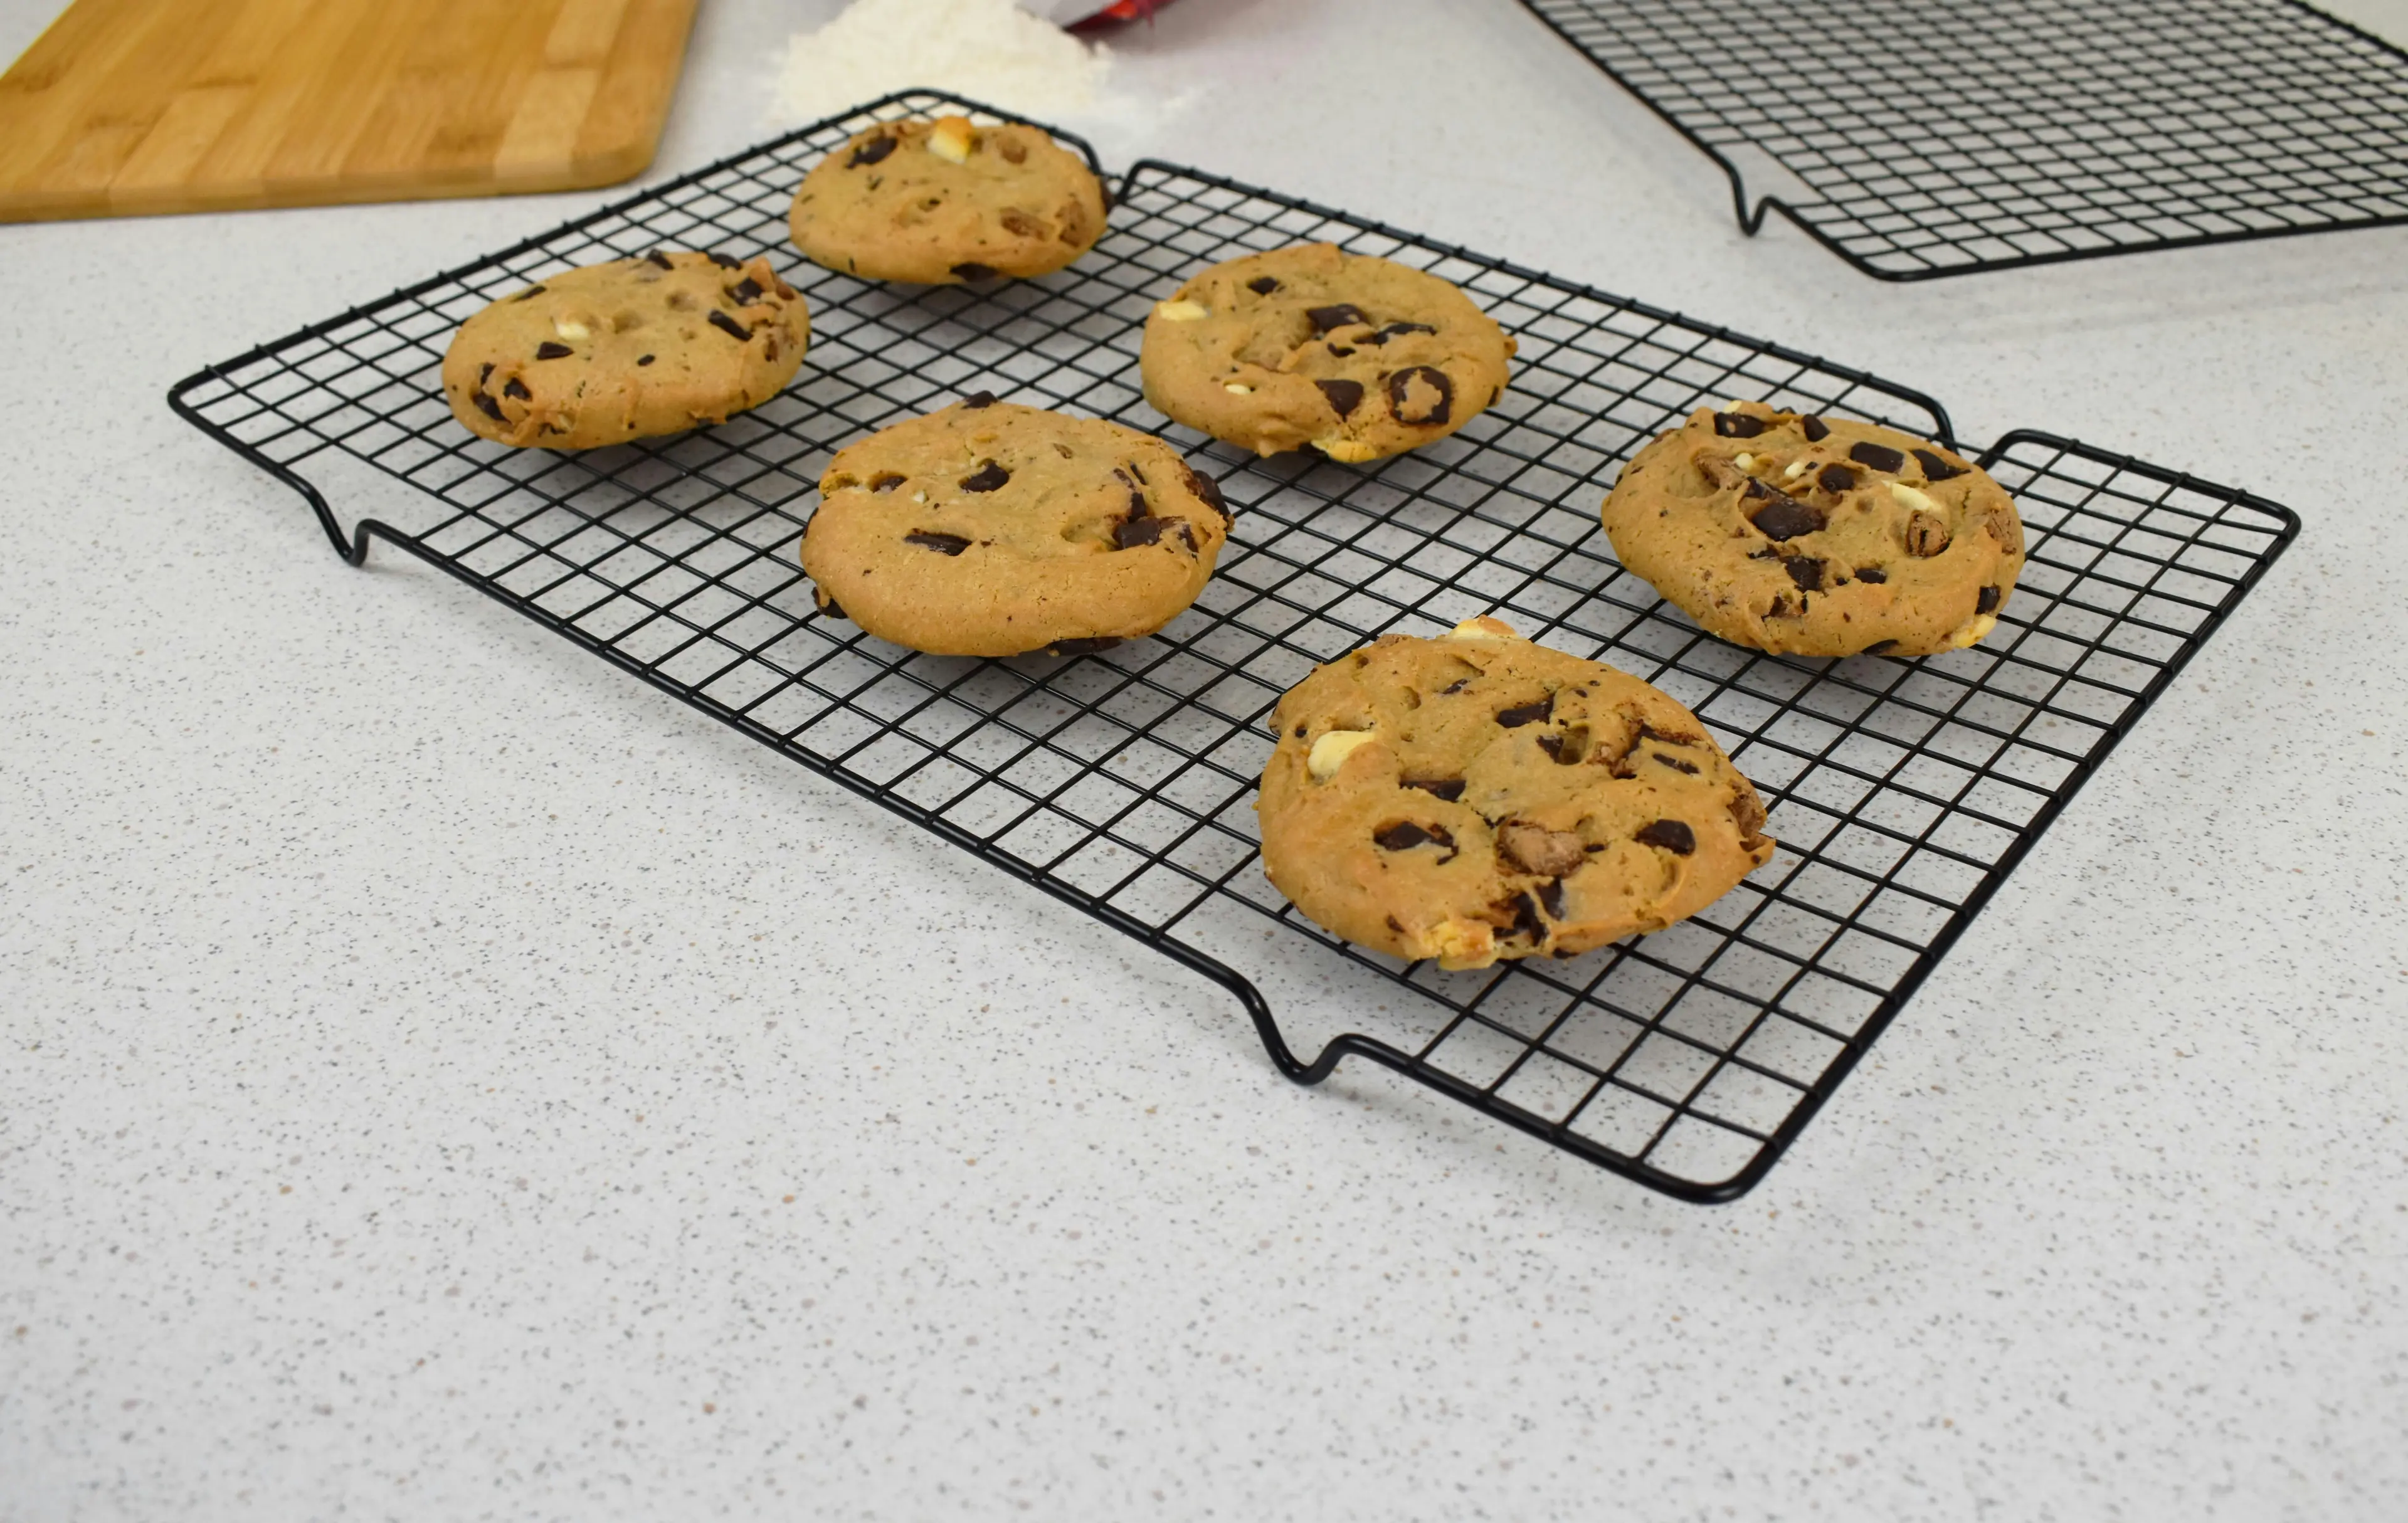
1122,781
1941,139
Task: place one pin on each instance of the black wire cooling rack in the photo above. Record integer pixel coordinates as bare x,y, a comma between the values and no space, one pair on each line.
1123,783
1942,136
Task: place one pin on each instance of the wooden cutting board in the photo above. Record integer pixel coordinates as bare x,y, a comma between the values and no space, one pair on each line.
133,106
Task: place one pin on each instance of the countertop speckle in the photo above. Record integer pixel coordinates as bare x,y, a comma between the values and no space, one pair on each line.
445,1079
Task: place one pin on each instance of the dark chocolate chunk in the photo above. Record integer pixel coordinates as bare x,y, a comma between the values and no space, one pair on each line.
646,359
1878,456
1138,507
1816,429
1448,788
951,544
1404,836
1339,350
1551,895
970,270
1400,387
1880,647
1139,474
484,374
1395,328
1738,426
1785,518
1649,732
1454,688
1526,713
1343,315
729,326
888,482
725,261
550,351
1671,835
1675,763
1987,602
1553,746
746,291
1344,396
1874,574
1205,488
1526,921
871,152
515,387
1934,468
1131,532
1085,645
490,407
829,606
988,477
979,399
529,294
1806,571
1835,479
1263,285
656,257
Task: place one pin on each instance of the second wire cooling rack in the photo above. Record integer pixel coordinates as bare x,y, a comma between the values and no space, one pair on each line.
1944,136
1122,782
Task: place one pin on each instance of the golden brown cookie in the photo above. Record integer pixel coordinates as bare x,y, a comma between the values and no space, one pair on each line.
1817,537
1358,356
1478,796
990,529
942,202
627,350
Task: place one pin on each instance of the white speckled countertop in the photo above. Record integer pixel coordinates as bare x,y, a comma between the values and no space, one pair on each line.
441,1078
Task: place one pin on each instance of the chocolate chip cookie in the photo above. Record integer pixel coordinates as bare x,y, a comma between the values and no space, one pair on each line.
1358,356
942,202
1478,796
627,350
990,529
1817,537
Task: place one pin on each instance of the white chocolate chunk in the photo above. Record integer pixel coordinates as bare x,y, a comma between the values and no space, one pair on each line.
1913,499
1971,631
951,140
571,328
1238,388
1182,311
1464,944
1797,468
1330,751
1352,451
1483,628
1744,462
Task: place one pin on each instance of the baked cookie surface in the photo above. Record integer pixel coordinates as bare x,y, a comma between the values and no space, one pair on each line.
1478,796
1358,356
992,529
628,350
1796,534
942,202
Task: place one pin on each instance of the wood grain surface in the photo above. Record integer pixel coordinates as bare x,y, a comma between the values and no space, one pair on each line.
133,107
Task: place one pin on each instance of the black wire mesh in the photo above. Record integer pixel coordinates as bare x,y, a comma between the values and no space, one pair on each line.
1942,137
1123,783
